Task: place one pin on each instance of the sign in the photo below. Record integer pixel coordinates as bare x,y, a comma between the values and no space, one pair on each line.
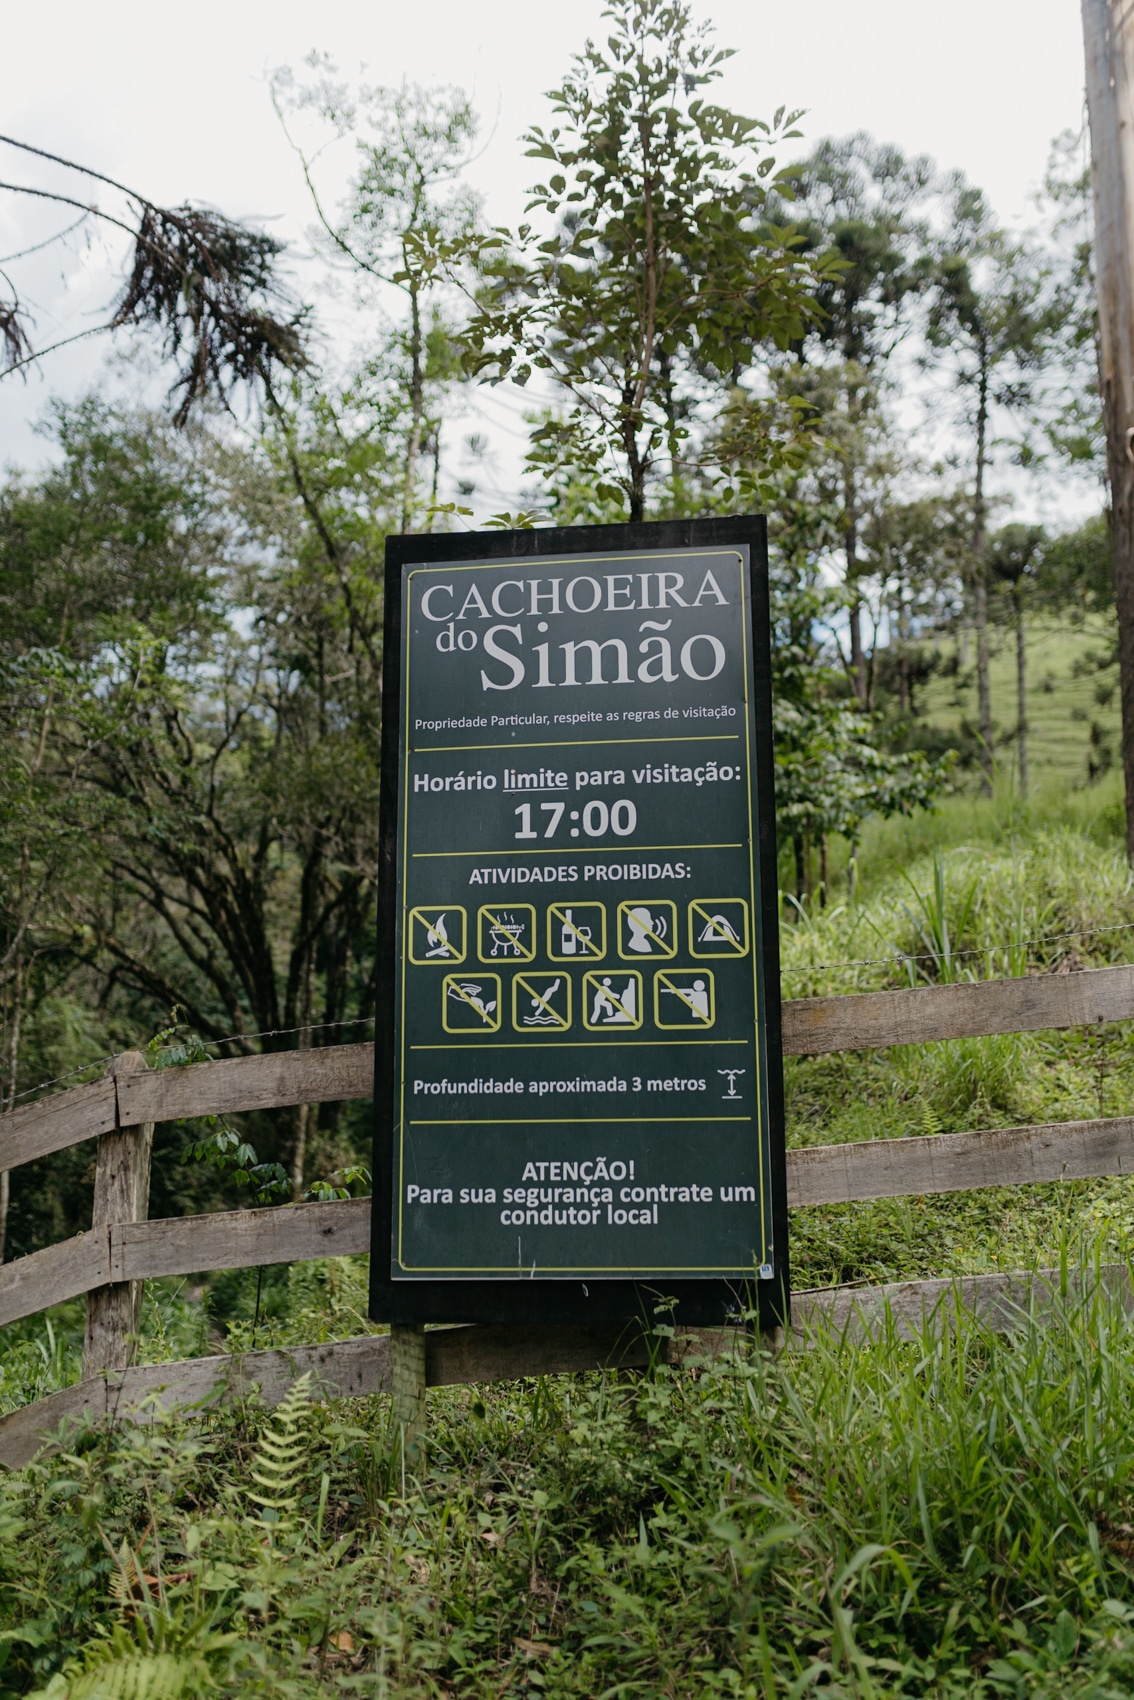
578,1069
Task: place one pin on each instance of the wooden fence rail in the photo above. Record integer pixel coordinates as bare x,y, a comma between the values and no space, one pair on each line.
460,1356
335,1073
818,1174
118,1252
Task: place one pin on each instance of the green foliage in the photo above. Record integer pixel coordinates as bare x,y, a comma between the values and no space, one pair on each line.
940,1517
647,283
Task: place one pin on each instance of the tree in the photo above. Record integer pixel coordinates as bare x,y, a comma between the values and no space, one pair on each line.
988,323
647,288
832,769
208,286
405,201
219,742
1012,557
859,208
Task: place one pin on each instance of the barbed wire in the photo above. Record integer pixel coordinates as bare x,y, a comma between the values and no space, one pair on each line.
230,1039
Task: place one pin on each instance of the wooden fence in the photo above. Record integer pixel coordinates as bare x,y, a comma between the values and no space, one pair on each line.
123,1249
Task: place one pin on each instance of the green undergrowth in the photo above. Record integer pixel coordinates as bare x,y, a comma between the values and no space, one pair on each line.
944,1517
984,888
872,1519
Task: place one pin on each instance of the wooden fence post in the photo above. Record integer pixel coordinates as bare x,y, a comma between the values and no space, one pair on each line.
407,1380
121,1194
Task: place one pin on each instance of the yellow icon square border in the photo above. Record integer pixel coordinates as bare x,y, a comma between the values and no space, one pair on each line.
587,902
642,903
486,909
719,956
445,1004
620,1027
438,961
685,1026
517,1028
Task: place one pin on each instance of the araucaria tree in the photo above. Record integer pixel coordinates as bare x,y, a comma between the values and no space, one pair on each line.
648,284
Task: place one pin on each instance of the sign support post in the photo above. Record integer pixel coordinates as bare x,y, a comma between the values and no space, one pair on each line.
578,1100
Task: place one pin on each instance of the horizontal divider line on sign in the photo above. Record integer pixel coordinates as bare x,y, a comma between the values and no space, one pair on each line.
818,1174
463,1356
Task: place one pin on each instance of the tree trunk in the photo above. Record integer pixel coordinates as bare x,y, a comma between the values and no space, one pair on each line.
14,1052
1021,692
980,578
984,693
800,877
1108,30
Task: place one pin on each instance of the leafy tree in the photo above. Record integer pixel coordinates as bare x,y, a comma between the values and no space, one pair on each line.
207,285
646,289
832,769
989,325
405,200
1012,557
859,208
219,746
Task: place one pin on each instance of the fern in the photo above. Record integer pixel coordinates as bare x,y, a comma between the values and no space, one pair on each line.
278,1465
135,1676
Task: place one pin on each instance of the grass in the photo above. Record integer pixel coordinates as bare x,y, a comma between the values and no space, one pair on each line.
943,1518
877,1519
1072,697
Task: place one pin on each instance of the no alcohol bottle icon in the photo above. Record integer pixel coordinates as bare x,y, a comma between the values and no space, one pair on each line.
684,998
576,931
611,1000
470,1003
647,929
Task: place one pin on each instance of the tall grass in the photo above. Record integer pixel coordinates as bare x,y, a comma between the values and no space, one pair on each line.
875,1518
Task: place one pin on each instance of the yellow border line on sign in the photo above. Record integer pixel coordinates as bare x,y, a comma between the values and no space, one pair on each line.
559,1121
577,743
574,850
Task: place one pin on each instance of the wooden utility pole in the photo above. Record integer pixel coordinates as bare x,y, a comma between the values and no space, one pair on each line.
1108,34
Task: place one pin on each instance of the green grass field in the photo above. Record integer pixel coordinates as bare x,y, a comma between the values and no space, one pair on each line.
1068,694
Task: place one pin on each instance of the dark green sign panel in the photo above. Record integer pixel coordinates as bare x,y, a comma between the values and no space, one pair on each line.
577,1085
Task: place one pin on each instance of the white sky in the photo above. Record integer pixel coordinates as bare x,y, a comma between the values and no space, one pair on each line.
174,102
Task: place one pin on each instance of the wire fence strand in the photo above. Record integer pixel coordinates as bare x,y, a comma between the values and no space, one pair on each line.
7,1104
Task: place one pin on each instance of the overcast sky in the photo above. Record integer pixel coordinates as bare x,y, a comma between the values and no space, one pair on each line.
174,101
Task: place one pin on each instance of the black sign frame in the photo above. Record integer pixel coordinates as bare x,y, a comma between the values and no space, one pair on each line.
701,1302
